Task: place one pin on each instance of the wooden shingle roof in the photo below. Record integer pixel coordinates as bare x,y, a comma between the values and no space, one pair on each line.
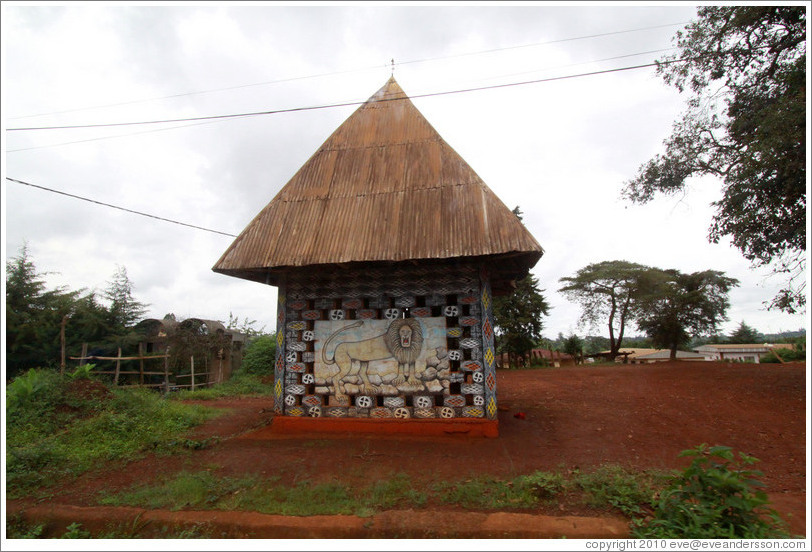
384,187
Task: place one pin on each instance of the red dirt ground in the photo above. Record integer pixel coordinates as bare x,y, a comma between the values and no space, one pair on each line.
638,416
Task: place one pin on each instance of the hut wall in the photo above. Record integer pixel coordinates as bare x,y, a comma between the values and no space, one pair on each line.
401,341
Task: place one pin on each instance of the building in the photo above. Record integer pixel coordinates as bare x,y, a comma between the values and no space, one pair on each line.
739,352
387,249
646,356
215,351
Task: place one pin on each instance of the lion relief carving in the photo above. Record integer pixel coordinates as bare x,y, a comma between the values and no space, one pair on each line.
402,341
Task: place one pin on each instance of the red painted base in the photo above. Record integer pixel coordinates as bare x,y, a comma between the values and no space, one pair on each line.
469,427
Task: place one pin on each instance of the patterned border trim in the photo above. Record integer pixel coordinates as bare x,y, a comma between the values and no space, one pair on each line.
489,371
279,367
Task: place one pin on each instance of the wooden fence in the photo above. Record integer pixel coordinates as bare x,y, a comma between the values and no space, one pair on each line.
141,358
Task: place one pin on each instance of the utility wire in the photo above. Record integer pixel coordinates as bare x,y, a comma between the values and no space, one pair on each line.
541,43
342,72
345,104
119,208
111,137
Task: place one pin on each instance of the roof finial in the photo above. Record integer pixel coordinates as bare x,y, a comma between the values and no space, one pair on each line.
393,66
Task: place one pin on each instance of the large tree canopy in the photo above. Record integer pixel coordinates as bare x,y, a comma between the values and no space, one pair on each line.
607,291
745,67
679,306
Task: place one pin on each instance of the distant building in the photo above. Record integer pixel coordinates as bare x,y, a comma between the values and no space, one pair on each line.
646,356
739,352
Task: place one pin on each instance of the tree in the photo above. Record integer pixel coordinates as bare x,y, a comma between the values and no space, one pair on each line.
33,316
607,290
745,124
573,345
125,310
679,306
744,334
517,318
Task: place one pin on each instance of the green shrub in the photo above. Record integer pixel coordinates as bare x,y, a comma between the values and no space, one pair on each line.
84,371
714,497
787,355
260,356
37,388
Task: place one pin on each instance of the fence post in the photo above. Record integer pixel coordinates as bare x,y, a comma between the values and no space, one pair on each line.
118,367
141,361
166,371
62,339
193,372
83,361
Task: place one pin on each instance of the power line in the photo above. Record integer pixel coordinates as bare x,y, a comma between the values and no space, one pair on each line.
543,43
119,208
346,71
344,104
125,135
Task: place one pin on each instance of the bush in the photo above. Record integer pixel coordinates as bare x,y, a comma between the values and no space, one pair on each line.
787,355
260,356
713,498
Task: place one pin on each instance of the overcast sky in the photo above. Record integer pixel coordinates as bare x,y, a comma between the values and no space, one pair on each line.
560,150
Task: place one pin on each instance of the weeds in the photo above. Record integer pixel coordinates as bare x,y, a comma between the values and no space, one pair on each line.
54,432
630,493
241,384
714,497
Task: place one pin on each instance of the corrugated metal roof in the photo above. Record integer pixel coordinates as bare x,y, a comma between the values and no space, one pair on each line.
384,187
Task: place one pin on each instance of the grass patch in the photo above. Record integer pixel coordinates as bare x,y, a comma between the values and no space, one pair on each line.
240,385
609,487
57,433
206,491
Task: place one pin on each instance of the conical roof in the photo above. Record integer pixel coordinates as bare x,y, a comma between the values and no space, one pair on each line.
384,187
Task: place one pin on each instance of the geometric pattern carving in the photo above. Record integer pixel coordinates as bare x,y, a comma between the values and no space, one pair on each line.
312,400
454,400
394,402
491,408
423,401
454,332
380,412
401,413
469,343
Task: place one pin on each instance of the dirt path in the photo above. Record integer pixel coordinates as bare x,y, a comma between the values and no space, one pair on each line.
638,416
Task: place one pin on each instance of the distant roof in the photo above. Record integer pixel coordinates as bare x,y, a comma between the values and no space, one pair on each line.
742,347
643,353
384,187
656,354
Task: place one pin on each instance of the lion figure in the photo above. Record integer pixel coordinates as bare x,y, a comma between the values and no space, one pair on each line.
403,341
